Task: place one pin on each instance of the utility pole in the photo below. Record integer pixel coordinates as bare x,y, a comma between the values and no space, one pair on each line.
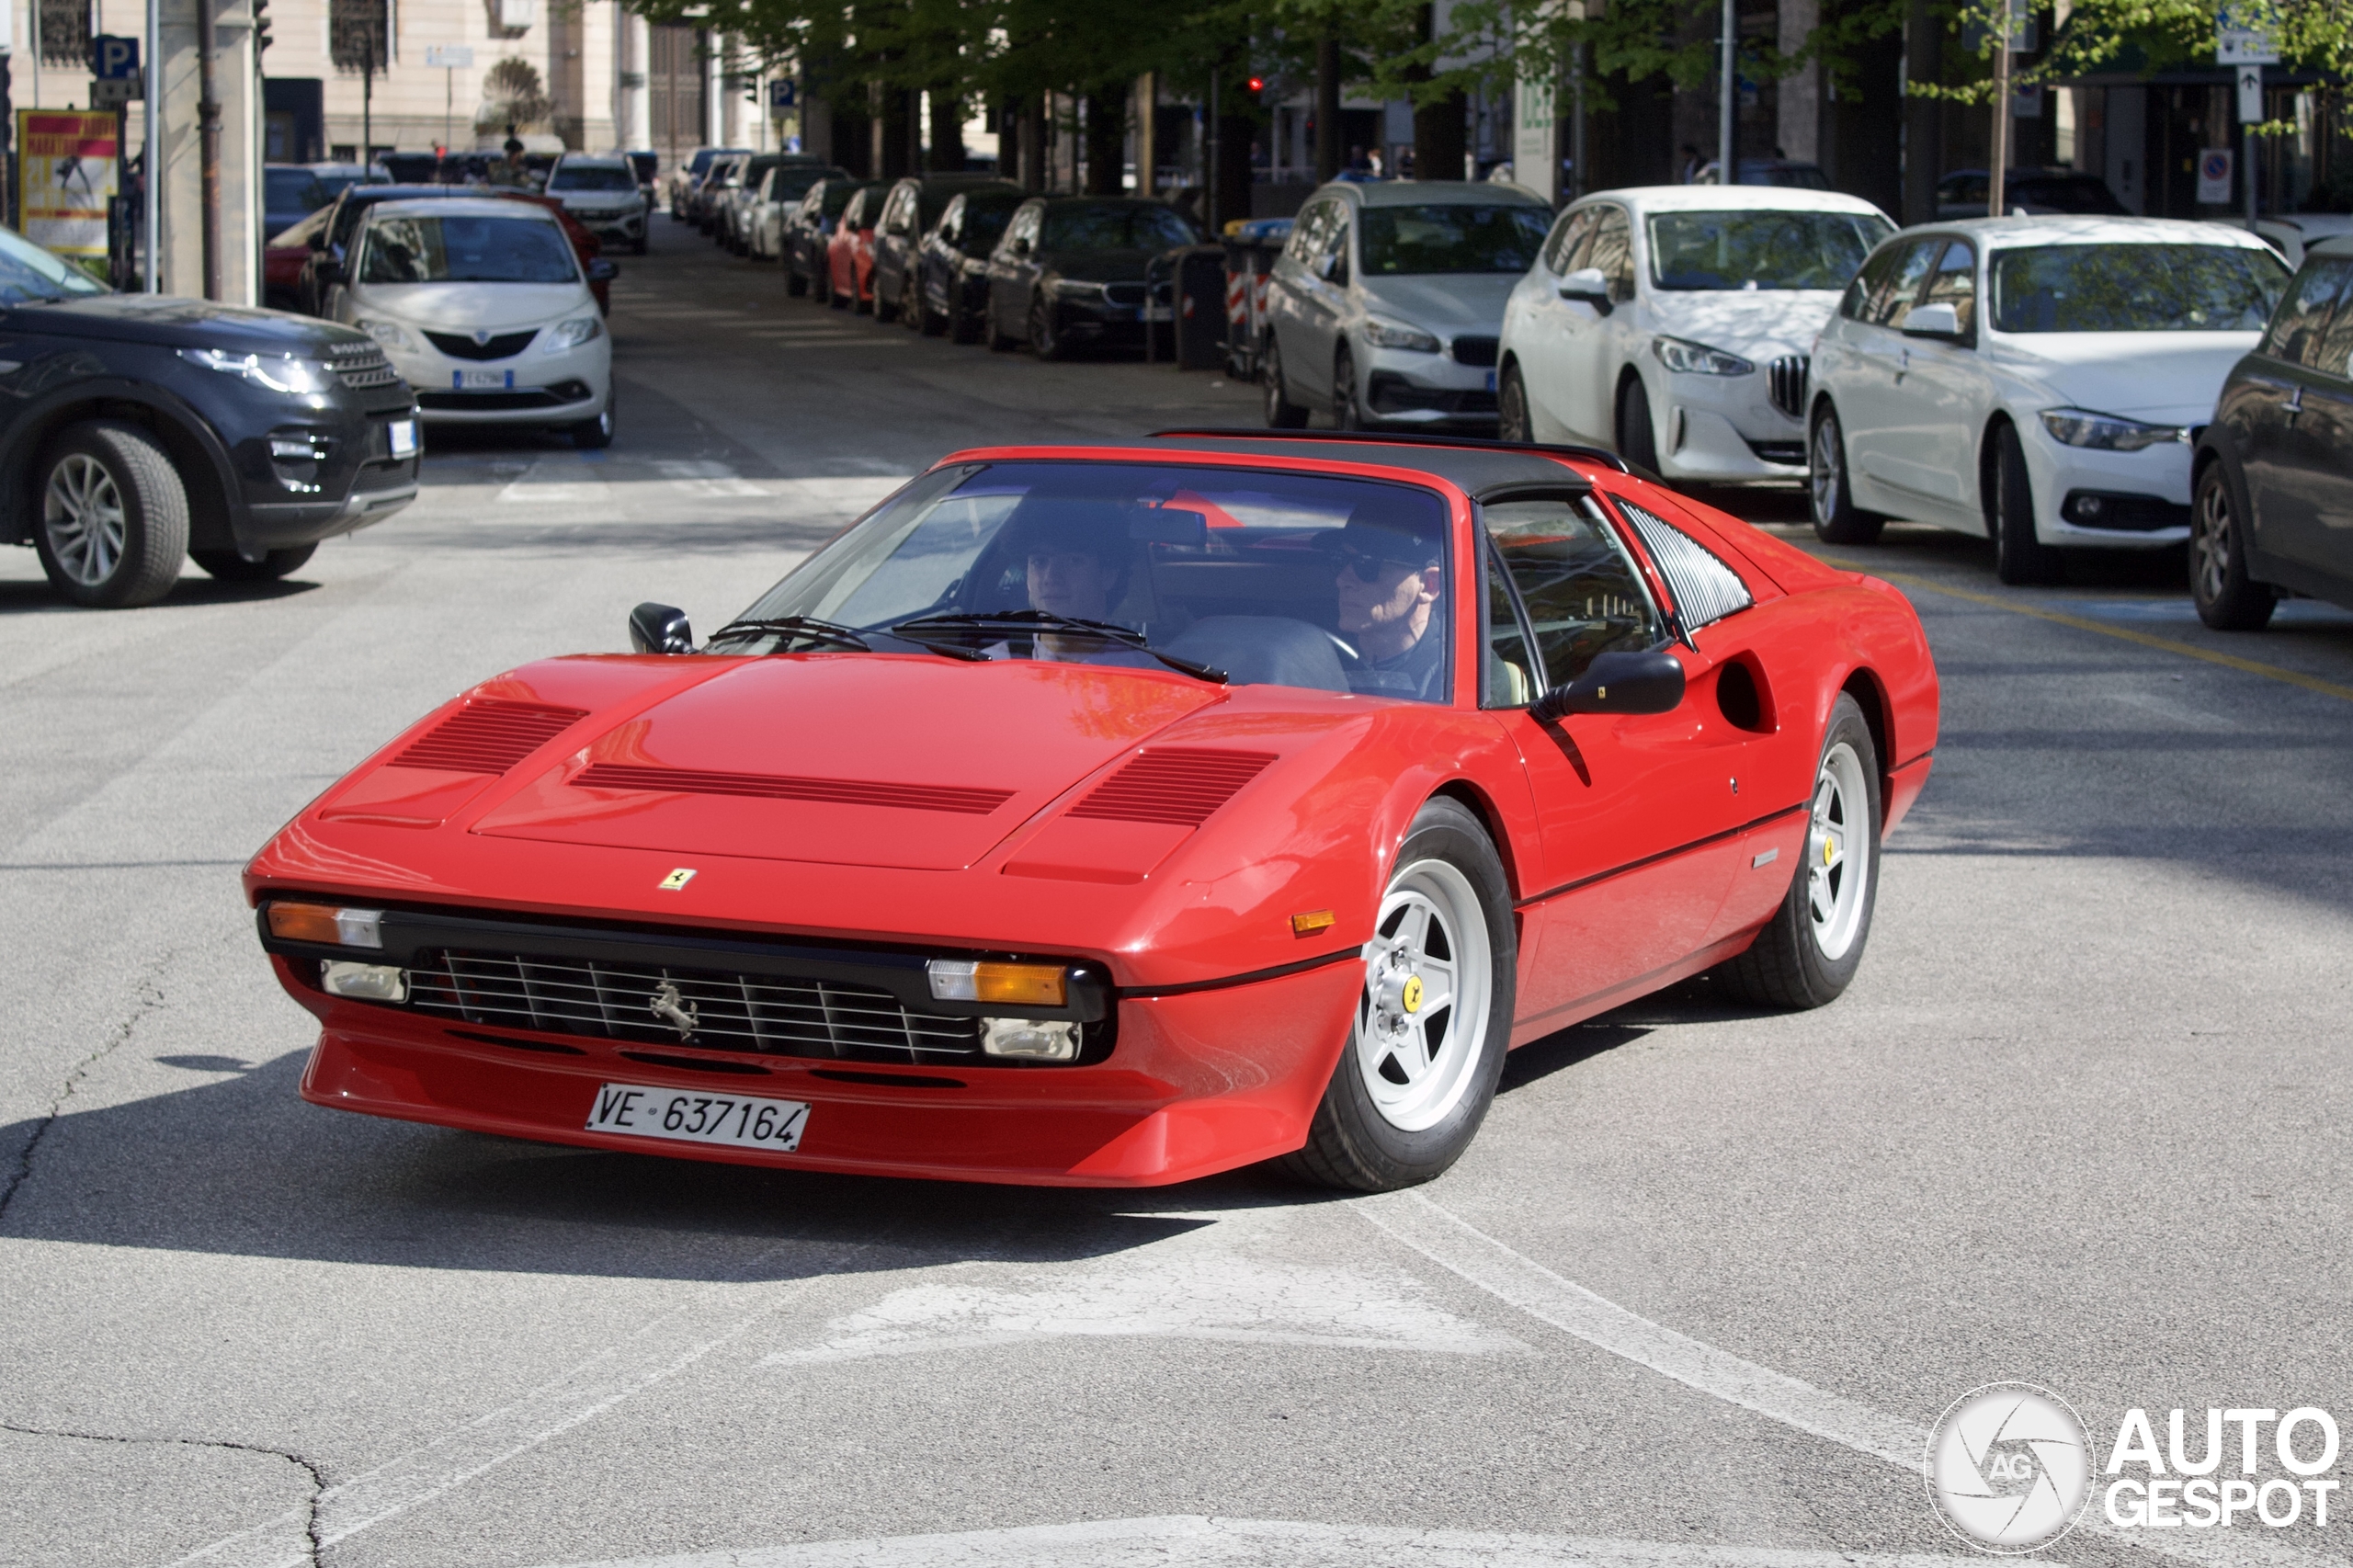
1209,174
367,98
1994,207
1728,94
208,120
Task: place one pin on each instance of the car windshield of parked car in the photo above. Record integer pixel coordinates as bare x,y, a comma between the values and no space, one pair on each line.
2135,288
1115,225
984,224
29,272
295,190
1759,248
593,176
791,183
2083,195
465,249
1304,580
1408,241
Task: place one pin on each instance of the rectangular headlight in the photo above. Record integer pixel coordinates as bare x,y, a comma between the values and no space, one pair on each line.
1029,1039
363,982
327,923
1013,984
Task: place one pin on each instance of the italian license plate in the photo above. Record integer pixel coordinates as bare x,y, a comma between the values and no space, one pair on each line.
1491,380
690,1116
404,435
477,381
1159,313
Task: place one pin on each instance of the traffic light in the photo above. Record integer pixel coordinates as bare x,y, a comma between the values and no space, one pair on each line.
1257,83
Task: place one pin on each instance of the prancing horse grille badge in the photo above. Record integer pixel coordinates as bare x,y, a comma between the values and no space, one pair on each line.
673,1010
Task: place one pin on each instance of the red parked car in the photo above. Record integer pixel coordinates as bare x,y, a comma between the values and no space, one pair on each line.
1117,815
849,250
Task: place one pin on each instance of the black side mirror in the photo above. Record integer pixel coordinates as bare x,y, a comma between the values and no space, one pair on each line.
326,268
663,628
602,271
1617,683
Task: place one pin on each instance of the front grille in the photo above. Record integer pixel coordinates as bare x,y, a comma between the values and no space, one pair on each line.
1474,350
506,345
1392,393
1785,385
1123,293
364,368
704,1009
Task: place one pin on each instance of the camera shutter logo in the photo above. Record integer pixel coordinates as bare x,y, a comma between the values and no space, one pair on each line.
2009,1467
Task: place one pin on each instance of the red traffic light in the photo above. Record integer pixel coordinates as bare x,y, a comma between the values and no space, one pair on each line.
1257,83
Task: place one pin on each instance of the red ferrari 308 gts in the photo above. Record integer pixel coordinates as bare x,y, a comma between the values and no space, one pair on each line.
1118,815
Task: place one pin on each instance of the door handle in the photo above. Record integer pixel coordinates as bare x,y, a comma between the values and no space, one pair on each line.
2295,404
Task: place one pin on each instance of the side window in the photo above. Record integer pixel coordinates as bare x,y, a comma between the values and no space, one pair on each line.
1507,676
1954,283
2336,347
1307,234
1705,589
951,223
1336,249
2296,333
1568,234
1613,250
1855,305
1892,302
1581,593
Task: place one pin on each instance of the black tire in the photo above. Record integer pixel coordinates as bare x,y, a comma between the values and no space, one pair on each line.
113,517
1837,519
1513,422
796,282
1637,442
1794,963
1281,413
885,311
827,295
1348,414
595,435
1000,340
2227,598
1044,341
913,315
2019,558
231,567
962,327
1355,1142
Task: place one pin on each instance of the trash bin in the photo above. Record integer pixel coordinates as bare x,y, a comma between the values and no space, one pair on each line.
1201,307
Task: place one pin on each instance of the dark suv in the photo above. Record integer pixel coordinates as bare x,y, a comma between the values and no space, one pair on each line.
137,428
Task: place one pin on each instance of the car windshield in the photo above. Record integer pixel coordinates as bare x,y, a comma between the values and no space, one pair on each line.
341,180
295,190
1270,578
2135,288
1115,225
1761,249
1406,241
29,272
464,248
593,176
792,183
984,224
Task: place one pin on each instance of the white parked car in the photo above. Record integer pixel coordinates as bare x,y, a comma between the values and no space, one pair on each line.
1671,324
482,306
2291,234
1384,306
603,194
2037,380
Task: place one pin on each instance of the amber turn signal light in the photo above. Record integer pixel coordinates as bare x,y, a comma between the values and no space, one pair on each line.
1315,921
1021,985
327,923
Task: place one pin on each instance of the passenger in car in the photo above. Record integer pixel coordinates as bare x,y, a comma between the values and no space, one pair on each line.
1390,585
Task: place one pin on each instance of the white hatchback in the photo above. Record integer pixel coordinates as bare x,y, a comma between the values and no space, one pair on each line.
2037,381
1671,323
482,306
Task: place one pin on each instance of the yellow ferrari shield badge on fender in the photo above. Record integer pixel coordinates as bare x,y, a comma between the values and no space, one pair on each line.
675,880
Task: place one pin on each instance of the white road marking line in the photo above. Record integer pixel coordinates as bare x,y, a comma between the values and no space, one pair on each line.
708,479
550,480
655,1352
1199,1541
1461,1248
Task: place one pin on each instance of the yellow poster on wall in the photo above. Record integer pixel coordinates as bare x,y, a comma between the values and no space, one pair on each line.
69,172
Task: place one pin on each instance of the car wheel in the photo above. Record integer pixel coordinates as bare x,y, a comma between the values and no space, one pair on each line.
2227,598
231,567
1427,1045
885,311
796,282
2019,558
962,327
1348,414
1512,421
1637,443
1837,519
1281,413
1044,341
594,435
1810,949
113,517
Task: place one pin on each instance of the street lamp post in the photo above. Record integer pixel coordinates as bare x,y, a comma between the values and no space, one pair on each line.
2001,161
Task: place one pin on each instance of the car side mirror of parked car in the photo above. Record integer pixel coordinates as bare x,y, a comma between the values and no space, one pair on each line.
327,270
602,271
1617,683
1589,285
664,629
1932,321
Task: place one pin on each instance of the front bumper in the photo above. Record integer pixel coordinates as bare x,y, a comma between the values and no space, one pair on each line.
1724,429
537,388
1402,386
2145,494
627,226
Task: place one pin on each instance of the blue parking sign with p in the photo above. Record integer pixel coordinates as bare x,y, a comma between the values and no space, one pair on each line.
113,58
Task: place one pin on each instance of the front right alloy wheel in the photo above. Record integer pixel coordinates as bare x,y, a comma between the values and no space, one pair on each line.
1426,1047
114,516
2227,598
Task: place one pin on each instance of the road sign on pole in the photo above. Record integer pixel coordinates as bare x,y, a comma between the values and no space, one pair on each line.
2250,93
113,58
449,56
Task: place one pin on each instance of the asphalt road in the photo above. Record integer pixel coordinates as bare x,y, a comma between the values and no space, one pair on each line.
1693,1295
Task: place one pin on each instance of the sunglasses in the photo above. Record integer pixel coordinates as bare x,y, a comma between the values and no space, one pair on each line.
1371,568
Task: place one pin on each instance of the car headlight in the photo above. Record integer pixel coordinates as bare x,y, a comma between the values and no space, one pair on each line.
1396,335
1073,288
2079,428
391,335
279,372
1698,358
572,334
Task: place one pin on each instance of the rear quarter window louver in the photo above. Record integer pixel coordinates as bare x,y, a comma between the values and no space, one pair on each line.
1180,785
489,734
1705,589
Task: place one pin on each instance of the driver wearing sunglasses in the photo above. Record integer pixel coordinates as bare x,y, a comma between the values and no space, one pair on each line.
1390,586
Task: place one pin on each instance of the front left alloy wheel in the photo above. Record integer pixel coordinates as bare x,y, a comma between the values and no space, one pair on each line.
114,516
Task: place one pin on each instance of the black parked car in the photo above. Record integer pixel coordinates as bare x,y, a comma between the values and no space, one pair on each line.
1963,193
138,428
1070,272
2272,496
810,227
952,265
908,213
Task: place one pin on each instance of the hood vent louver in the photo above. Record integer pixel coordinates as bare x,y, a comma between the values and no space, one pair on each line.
1181,786
489,734
776,787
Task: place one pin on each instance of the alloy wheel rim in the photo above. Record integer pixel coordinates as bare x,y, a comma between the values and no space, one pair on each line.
82,513
1825,471
1838,852
2210,543
1423,1011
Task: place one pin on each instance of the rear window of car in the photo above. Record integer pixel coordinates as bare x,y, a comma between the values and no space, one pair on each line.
593,176
2135,288
464,248
1490,237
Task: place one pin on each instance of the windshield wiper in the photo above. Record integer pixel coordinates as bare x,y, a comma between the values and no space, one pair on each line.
830,633
1044,620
